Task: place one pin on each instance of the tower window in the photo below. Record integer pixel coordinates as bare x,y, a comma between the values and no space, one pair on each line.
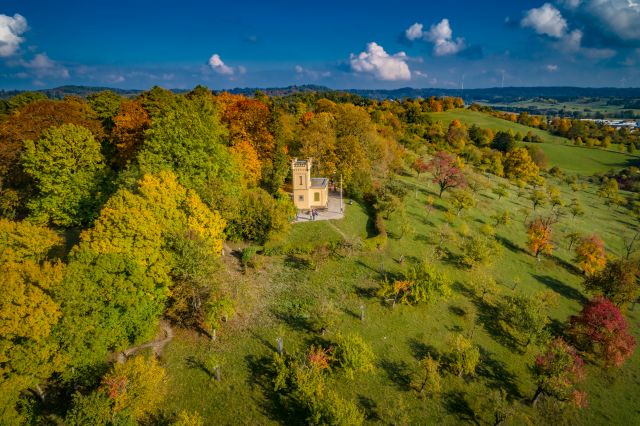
316,196
300,197
300,180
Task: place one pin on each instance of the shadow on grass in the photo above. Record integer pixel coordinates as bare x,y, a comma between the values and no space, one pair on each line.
489,317
565,265
397,372
496,374
560,288
510,245
370,408
421,350
455,403
264,341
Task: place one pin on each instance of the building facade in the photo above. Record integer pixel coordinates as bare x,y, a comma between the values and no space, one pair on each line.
308,193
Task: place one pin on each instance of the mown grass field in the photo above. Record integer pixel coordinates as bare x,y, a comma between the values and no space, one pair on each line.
275,300
560,151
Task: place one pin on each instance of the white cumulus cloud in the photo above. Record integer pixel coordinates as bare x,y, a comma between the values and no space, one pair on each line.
441,36
11,28
375,61
216,64
414,32
546,20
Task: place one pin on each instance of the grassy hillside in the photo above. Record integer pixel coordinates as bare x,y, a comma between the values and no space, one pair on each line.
276,300
561,153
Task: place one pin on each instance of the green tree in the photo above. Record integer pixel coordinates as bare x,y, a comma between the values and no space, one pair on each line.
119,275
503,141
67,167
618,281
609,190
525,318
353,354
464,356
187,138
461,200
106,105
500,191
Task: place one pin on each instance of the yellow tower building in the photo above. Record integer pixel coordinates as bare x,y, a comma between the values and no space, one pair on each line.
308,193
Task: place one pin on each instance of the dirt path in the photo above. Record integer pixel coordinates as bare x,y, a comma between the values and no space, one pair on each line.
157,345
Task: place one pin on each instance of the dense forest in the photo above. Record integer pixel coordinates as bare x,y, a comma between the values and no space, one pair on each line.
115,211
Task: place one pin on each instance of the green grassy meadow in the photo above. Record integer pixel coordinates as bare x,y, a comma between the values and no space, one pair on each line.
559,150
275,300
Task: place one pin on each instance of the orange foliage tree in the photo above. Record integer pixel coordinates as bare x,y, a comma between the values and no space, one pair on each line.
539,237
591,255
247,120
129,126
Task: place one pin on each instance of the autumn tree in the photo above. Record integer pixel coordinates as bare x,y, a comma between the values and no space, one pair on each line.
590,255
421,283
464,356
248,120
135,388
539,236
431,379
247,160
29,353
353,354
601,330
461,200
67,166
479,250
119,275
129,126
319,141
188,139
446,172
557,371
618,281
419,166
28,123
518,165
608,189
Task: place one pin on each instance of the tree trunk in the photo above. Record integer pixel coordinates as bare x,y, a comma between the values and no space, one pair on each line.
39,392
536,396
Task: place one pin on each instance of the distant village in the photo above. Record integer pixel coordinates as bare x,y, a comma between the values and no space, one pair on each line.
616,123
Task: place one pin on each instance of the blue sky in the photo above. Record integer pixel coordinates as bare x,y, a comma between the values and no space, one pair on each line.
340,44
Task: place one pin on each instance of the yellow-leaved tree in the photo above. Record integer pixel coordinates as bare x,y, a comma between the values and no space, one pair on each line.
29,354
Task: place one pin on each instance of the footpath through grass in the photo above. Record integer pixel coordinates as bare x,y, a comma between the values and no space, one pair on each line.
277,300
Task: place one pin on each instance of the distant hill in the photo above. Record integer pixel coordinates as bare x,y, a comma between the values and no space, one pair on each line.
488,95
